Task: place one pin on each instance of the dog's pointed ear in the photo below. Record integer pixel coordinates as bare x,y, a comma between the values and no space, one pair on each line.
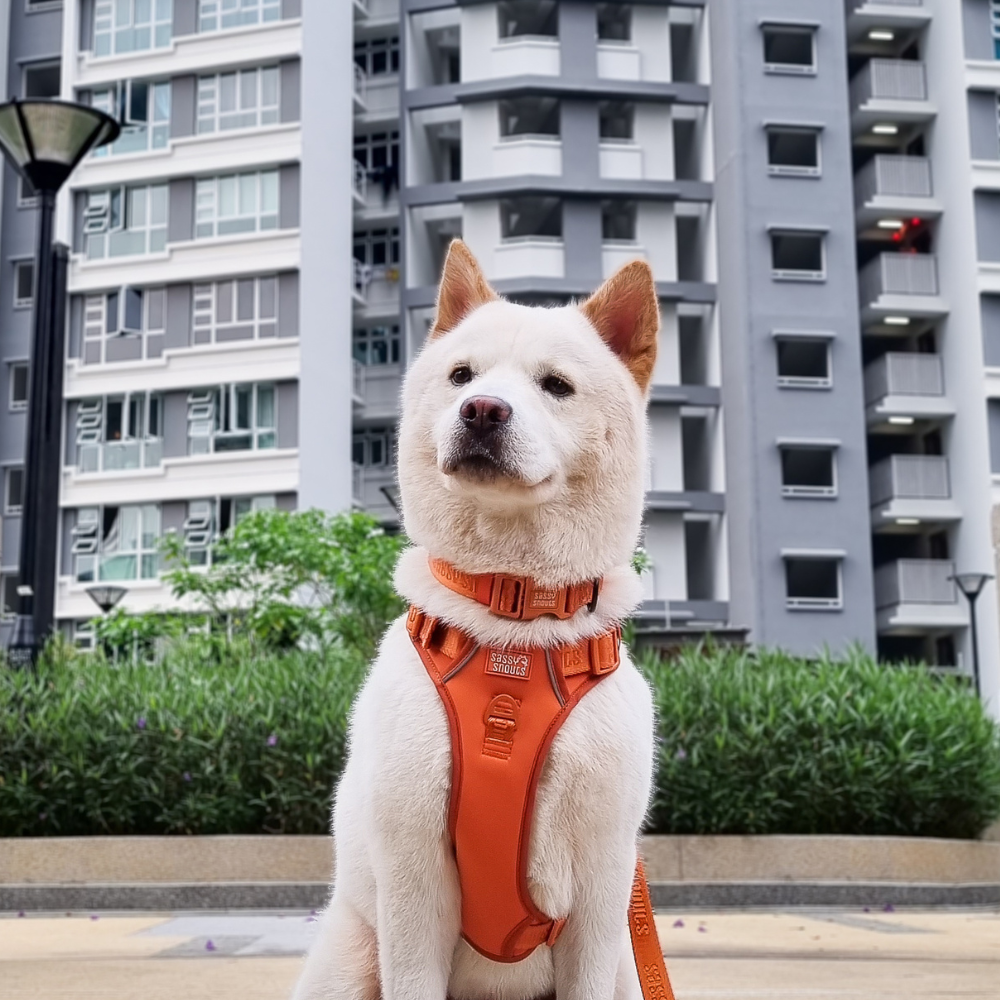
626,313
463,288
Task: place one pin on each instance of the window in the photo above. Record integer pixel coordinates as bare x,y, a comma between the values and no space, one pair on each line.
614,22
616,121
9,600
122,26
808,471
377,345
803,363
797,256
13,490
116,543
125,312
377,150
25,194
618,221
529,116
789,49
207,520
126,221
531,218
18,397
528,17
24,283
812,583
377,56
143,109
245,309
232,418
218,15
42,80
374,447
239,203
377,247
247,99
793,152
119,432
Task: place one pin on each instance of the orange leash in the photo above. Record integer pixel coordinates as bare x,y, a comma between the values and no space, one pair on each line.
646,948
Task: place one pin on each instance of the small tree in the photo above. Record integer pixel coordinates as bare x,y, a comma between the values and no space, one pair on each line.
282,578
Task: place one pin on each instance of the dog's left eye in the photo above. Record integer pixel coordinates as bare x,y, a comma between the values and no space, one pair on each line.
557,386
461,375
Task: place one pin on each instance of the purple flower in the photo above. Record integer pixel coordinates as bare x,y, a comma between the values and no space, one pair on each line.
678,923
209,945
140,722
867,909
313,913
310,920
20,913
888,908
681,754
94,916
702,930
272,740
186,776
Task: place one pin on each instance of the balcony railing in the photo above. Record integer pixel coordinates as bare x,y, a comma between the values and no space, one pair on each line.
904,375
118,456
915,581
358,484
898,274
895,177
858,4
362,279
358,380
910,477
889,80
360,85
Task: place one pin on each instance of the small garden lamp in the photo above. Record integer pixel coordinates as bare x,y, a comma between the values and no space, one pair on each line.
971,585
44,141
106,598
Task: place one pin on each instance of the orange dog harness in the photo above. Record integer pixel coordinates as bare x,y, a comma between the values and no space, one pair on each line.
505,706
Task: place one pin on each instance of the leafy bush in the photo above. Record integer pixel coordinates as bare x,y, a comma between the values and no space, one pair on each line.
253,742
252,745
766,743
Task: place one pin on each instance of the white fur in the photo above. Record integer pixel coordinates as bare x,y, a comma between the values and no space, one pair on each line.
571,513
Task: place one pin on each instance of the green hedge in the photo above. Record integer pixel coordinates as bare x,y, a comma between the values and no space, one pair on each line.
749,744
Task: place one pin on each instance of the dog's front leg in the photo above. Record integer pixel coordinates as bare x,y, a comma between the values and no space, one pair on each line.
419,916
588,955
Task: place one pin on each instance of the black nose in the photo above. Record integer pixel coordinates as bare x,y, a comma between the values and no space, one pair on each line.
485,413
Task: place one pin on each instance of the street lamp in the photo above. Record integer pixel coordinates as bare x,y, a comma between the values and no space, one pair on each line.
45,142
971,585
106,598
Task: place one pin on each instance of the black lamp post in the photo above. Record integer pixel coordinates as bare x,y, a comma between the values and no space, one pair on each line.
45,142
971,585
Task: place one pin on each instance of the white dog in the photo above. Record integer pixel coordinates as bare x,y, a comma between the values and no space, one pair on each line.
555,494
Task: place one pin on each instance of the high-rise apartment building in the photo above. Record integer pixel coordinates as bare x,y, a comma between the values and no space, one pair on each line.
254,262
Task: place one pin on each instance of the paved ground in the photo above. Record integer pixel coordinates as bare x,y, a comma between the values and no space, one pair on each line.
716,956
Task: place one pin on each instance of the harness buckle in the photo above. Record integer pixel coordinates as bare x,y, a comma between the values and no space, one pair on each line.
507,598
605,652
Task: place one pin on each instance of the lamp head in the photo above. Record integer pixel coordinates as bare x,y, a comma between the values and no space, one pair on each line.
45,140
971,584
106,597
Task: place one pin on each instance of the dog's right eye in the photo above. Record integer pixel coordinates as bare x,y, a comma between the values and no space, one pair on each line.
461,375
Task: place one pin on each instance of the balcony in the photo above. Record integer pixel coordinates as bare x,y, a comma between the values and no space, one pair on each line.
864,15
900,284
362,278
618,61
360,88
357,385
369,488
910,490
359,186
889,91
380,392
525,55
529,257
528,154
120,456
913,596
889,185
901,388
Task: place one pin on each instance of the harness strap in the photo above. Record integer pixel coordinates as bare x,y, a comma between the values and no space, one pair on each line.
517,596
646,948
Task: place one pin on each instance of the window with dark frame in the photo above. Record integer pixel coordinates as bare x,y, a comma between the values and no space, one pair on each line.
789,49
803,362
793,152
616,121
808,471
13,490
18,398
528,17
42,80
529,116
812,583
797,255
530,218
377,56
618,221
24,283
8,596
614,22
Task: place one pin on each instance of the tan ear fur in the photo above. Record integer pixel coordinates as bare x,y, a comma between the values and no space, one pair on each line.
626,312
463,288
